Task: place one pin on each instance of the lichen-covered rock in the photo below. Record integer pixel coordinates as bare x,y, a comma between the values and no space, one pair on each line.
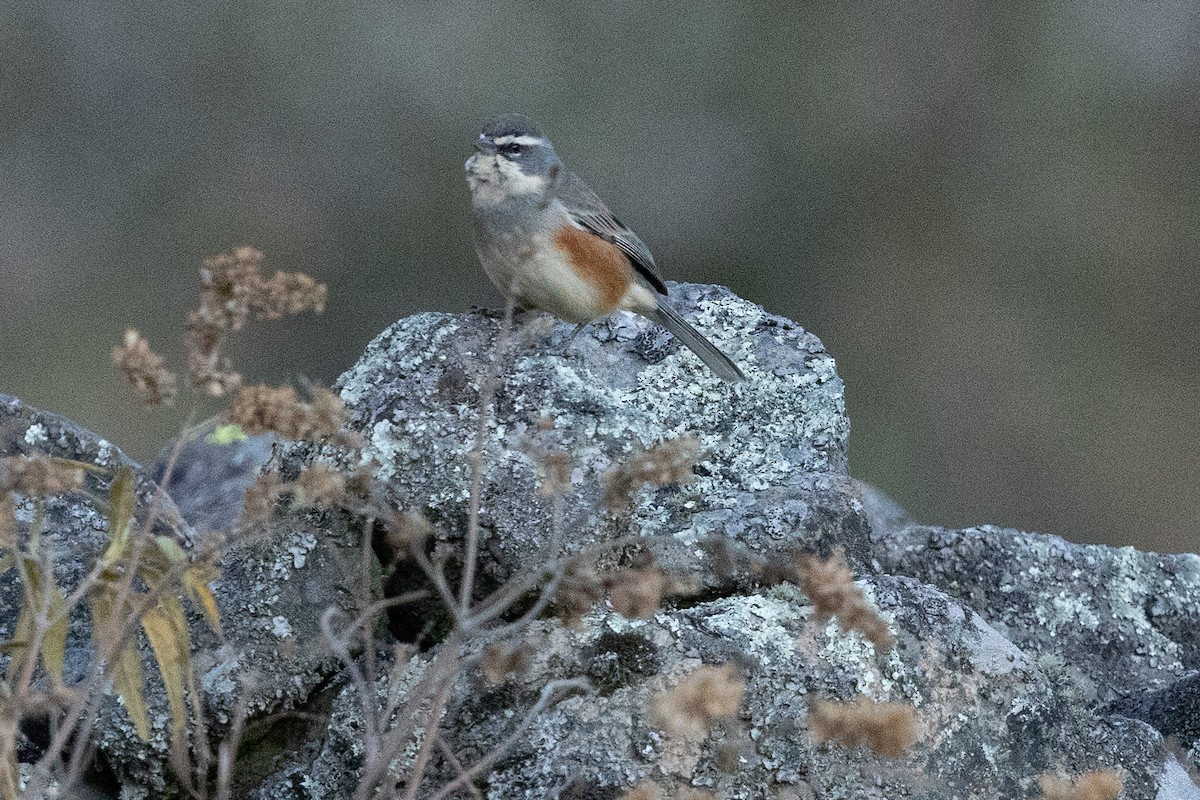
1021,653
208,481
1110,623
772,473
271,593
989,720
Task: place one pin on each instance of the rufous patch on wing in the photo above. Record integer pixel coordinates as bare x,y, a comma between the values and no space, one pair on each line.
601,264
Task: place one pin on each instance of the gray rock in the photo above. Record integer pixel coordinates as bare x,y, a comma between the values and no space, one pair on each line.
1021,653
990,720
271,593
209,481
1109,623
772,474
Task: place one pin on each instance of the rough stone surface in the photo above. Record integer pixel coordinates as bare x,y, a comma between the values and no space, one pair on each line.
1110,623
1022,653
990,720
271,593
774,465
209,481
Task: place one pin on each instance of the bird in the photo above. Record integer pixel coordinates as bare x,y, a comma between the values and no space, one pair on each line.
549,243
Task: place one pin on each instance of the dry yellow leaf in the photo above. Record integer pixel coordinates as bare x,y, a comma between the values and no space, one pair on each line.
166,628
196,582
122,500
130,684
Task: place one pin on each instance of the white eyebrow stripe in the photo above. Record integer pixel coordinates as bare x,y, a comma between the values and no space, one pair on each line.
527,141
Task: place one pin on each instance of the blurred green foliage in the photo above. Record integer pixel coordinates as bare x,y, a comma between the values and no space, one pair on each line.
988,211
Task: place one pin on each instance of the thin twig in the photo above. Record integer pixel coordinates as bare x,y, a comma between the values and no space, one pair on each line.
487,392
459,768
227,750
493,755
453,653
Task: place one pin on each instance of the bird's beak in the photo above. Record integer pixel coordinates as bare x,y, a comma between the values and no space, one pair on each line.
481,144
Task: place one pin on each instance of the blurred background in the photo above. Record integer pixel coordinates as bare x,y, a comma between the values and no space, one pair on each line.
989,212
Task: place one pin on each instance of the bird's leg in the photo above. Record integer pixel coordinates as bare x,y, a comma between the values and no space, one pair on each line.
578,329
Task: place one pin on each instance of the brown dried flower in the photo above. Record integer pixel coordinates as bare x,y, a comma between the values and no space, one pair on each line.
637,593
649,790
503,659
407,529
662,464
1095,785
555,469
233,288
211,374
288,293
580,589
260,498
144,369
646,790
279,410
702,698
39,475
318,485
888,729
830,585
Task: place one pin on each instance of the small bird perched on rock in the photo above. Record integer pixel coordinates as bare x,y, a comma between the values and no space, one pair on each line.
549,243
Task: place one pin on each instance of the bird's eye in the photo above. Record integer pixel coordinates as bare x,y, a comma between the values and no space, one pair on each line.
512,149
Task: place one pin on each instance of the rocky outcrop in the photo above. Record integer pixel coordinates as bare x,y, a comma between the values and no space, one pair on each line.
271,592
1020,652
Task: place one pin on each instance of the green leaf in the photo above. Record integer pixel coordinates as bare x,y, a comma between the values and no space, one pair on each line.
171,549
54,645
226,434
54,640
166,628
124,665
18,643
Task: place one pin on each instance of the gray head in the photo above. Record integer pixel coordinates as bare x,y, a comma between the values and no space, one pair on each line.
513,146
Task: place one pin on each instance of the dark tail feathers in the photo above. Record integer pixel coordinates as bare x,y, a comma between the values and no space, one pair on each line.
691,338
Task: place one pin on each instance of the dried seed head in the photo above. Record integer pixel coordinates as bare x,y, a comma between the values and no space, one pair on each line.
665,463
318,485
406,530
144,369
261,497
646,790
830,585
1096,785
580,589
555,470
502,660
279,410
287,293
233,288
637,593
707,695
888,729
39,475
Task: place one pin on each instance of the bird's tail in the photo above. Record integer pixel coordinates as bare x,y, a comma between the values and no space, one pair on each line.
717,361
